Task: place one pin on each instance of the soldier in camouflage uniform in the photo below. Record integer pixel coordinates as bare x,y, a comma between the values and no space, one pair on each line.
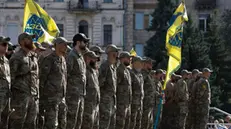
137,93
91,105
5,82
108,84
53,81
124,92
191,104
202,100
39,50
149,95
76,84
25,85
98,51
181,98
158,88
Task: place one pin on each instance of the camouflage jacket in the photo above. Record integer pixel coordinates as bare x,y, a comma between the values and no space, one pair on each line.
181,91
4,75
158,89
149,90
202,92
169,92
190,84
107,80
124,89
53,76
76,74
24,72
92,87
137,88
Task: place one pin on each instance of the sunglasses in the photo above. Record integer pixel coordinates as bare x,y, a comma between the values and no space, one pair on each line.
4,44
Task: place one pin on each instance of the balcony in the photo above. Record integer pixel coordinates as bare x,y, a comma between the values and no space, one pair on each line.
205,4
84,7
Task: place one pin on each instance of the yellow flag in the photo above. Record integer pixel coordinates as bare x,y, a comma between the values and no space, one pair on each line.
133,52
38,22
174,40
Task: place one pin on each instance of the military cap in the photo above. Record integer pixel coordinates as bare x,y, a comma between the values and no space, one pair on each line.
112,48
86,50
25,35
91,54
173,75
207,70
153,72
125,54
178,76
183,72
80,37
148,60
195,71
60,40
97,49
39,46
159,71
137,59
4,39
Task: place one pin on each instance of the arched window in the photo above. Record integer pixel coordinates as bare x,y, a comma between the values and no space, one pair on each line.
83,27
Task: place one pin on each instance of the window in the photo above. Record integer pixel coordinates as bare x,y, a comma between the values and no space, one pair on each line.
204,22
107,34
12,32
140,49
60,26
139,21
83,27
107,1
58,0
12,0
150,20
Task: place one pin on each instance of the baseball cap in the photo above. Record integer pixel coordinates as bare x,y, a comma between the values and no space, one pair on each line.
60,40
80,37
112,48
159,71
207,70
137,59
38,45
153,72
91,54
25,35
148,60
183,72
195,71
97,49
4,39
125,54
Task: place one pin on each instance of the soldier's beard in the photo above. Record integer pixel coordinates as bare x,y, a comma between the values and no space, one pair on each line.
29,46
93,64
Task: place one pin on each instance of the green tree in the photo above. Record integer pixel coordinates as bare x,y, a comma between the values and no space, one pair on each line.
155,46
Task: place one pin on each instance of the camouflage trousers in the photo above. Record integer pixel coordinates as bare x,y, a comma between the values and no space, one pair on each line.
4,109
190,117
26,110
107,109
123,116
147,118
183,112
75,112
90,116
201,117
55,113
136,117
169,115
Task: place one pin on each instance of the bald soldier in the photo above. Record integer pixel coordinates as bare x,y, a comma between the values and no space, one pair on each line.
202,100
25,85
124,92
137,93
92,99
149,95
181,98
108,86
5,82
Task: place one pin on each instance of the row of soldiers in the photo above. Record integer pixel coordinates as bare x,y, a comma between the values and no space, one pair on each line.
73,91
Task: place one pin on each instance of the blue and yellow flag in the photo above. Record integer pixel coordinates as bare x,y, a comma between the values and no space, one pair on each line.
133,52
174,40
38,22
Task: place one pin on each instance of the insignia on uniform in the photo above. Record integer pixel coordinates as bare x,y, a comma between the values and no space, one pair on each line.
204,86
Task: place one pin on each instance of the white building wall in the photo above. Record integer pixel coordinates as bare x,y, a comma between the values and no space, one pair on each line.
110,13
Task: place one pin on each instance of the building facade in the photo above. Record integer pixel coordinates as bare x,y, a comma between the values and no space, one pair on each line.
138,19
101,20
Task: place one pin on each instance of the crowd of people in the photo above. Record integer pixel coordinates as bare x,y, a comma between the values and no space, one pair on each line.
58,87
